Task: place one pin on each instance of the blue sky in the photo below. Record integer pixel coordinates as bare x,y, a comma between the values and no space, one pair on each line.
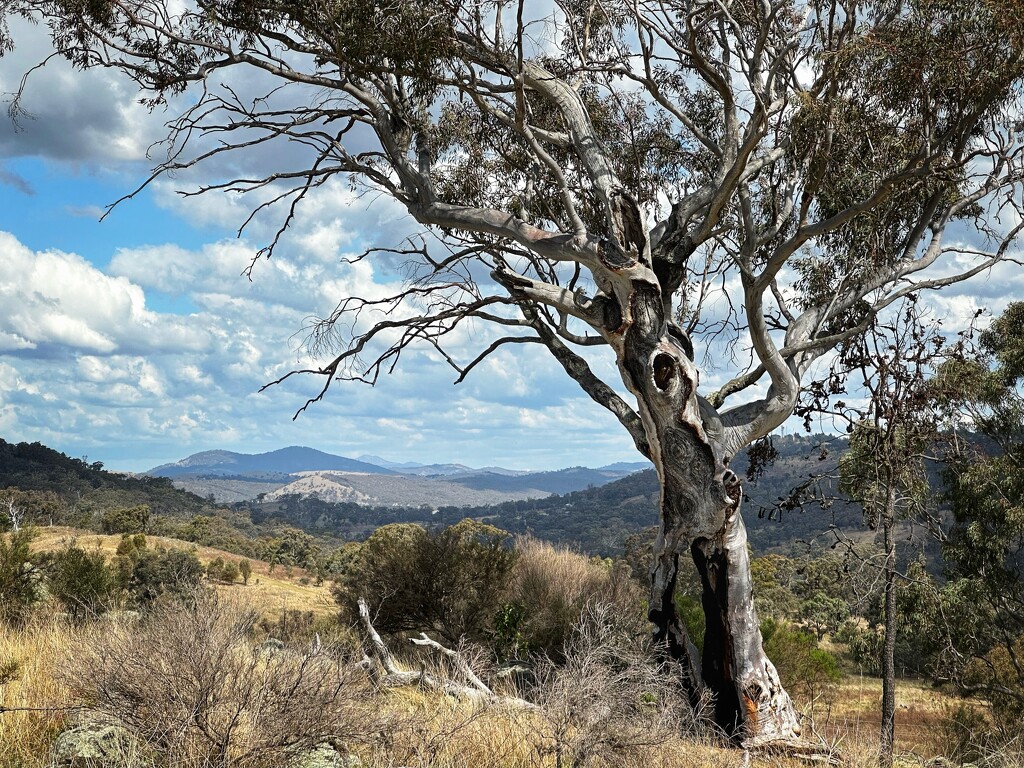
138,341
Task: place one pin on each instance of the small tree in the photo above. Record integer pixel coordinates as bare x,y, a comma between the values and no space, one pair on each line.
215,569
983,600
805,668
13,511
891,437
230,572
245,569
20,577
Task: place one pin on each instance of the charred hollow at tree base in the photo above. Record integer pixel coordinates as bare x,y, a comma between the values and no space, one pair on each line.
732,677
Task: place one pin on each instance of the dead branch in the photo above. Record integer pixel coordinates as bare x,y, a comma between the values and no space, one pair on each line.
394,676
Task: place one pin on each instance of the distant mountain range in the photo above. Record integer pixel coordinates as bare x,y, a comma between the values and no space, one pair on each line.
598,518
372,480
284,461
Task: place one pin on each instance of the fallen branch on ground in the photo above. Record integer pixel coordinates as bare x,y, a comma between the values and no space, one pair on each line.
384,670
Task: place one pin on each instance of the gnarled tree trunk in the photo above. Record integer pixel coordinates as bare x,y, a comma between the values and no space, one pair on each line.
700,516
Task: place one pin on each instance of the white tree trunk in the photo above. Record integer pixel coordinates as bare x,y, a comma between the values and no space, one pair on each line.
700,514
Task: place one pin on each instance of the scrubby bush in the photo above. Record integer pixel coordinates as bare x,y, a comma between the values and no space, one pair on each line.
863,645
20,577
449,582
155,572
1007,696
188,680
605,703
81,581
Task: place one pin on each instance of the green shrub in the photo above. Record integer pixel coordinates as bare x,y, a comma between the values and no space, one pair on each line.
215,569
20,586
965,732
863,645
806,670
447,582
81,581
173,572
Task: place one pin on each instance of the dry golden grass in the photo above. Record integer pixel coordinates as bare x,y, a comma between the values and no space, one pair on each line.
430,729
851,718
25,736
435,731
269,592
421,728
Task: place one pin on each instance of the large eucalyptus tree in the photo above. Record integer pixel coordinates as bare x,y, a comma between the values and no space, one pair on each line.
592,173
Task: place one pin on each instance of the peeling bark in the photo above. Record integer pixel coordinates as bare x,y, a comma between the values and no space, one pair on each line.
700,513
750,701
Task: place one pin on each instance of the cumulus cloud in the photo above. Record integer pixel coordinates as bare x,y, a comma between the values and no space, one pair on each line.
87,366
51,302
67,115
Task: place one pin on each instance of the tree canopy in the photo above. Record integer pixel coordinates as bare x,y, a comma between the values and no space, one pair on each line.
656,178
805,159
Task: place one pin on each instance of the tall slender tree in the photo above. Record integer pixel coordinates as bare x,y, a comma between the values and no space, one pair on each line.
892,437
609,175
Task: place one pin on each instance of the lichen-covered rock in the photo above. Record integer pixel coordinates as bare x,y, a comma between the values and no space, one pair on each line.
97,745
323,756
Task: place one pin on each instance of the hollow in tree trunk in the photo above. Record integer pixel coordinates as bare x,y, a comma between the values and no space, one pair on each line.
700,517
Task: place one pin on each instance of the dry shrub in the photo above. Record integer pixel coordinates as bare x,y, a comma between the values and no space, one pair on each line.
551,588
608,702
189,681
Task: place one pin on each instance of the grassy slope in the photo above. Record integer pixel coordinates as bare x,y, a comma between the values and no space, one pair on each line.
271,592
454,735
847,718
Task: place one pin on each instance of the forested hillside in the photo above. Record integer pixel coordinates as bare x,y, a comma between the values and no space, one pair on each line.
84,486
598,520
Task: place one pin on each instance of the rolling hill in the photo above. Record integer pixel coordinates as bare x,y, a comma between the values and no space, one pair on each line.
229,477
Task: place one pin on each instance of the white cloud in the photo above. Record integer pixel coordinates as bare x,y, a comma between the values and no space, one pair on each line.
90,368
53,301
79,117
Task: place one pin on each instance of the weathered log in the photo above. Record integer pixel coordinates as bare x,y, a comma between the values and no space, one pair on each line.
384,670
